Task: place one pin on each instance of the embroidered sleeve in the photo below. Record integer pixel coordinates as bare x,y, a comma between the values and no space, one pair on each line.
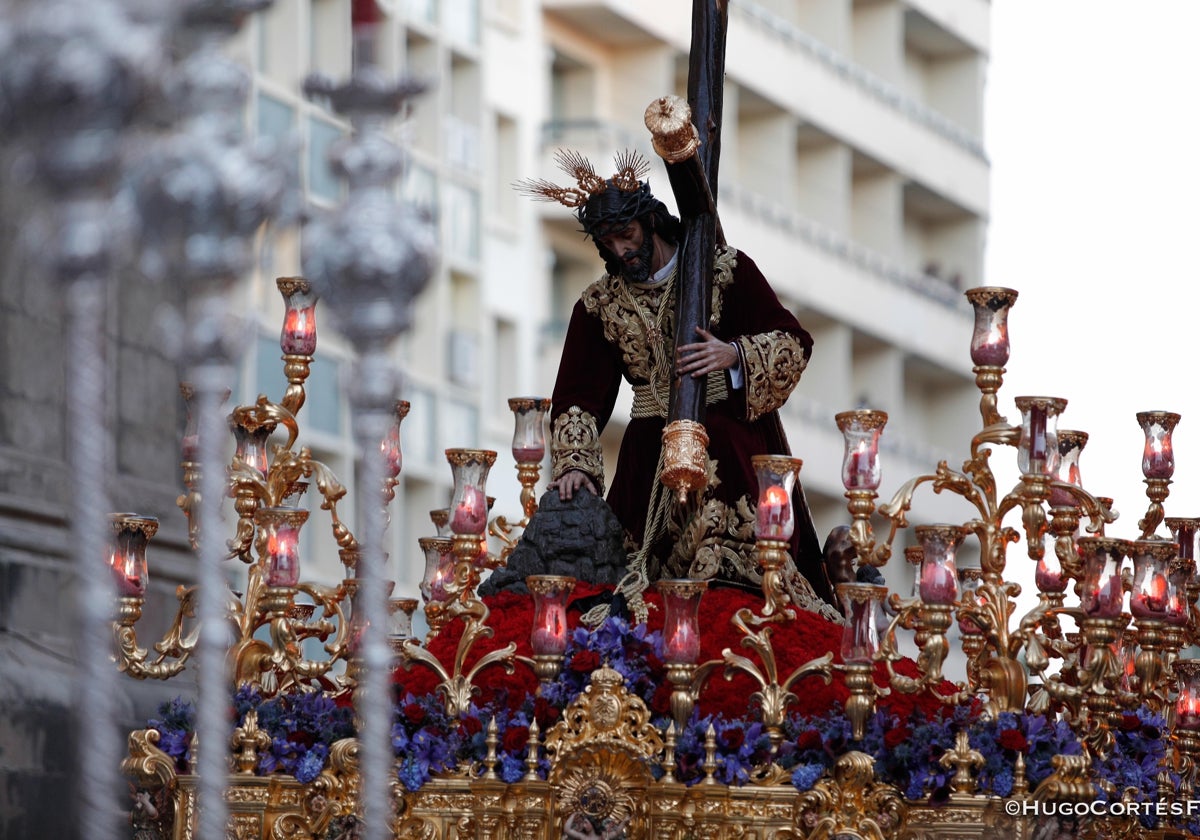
772,363
575,445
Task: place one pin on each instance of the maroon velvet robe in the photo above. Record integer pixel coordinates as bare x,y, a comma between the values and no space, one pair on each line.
626,331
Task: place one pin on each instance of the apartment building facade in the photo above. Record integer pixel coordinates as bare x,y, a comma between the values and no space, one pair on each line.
852,170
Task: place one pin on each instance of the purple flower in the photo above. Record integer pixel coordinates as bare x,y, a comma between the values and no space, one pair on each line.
806,775
511,769
311,764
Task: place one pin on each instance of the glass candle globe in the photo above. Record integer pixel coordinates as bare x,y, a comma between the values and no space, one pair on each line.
938,581
127,552
989,340
469,507
529,428
681,620
282,527
776,475
1158,456
1102,595
1037,450
860,462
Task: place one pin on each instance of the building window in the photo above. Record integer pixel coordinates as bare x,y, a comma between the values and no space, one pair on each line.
503,198
425,11
417,431
461,220
419,188
275,119
461,21
322,184
460,424
323,401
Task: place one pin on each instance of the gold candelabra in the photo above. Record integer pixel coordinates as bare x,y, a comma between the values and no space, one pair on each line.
1094,685
266,481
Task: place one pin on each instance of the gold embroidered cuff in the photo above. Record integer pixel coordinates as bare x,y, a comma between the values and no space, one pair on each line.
773,364
575,445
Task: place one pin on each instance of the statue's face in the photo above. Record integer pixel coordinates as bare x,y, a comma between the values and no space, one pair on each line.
839,559
633,246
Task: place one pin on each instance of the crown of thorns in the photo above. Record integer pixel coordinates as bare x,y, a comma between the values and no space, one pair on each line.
631,167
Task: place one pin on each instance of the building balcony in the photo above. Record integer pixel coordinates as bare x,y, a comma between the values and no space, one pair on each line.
966,20
827,272
796,72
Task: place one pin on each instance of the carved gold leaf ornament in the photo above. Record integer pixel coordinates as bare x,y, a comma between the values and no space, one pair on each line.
774,362
575,445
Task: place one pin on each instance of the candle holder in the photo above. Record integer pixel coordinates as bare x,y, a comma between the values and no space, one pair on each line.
989,345
931,610
348,588
860,645
550,633
774,524
265,480
189,502
1099,672
127,553
254,484
400,617
127,562
393,452
1070,447
468,520
440,517
861,475
1186,723
974,642
1158,464
1150,596
914,555
529,447
439,568
1180,572
1185,532
297,337
938,583
468,513
1038,449
681,642
1101,594
1038,461
528,450
279,528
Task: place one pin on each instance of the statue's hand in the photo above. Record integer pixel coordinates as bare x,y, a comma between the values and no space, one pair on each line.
568,484
706,356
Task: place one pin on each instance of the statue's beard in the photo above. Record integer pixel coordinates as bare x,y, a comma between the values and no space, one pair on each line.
635,265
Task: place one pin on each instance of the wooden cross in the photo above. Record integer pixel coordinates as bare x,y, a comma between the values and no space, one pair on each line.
694,182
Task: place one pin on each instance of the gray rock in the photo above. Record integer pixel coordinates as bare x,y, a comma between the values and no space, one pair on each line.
581,538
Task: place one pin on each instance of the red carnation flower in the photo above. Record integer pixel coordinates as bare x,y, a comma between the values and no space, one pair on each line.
809,740
414,713
1012,739
896,736
732,738
301,737
585,661
515,738
471,725
544,713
